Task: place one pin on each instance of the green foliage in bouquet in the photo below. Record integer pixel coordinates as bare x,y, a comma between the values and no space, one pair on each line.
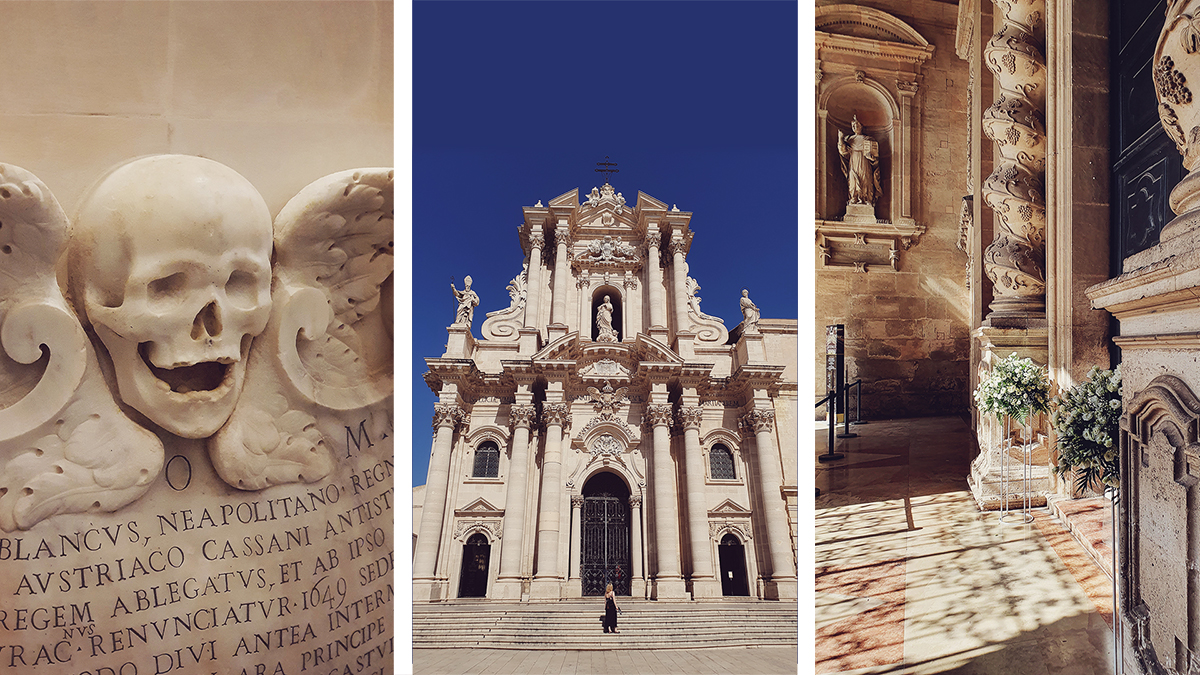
1087,420
1015,387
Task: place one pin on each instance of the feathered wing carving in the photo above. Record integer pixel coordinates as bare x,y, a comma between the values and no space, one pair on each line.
65,446
321,372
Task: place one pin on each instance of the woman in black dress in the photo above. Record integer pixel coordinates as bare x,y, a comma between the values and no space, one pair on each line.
610,609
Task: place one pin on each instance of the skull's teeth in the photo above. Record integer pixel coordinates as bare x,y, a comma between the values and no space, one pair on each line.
199,377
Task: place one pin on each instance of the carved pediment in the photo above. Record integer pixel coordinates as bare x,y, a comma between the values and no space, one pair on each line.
480,508
605,369
653,351
729,509
856,21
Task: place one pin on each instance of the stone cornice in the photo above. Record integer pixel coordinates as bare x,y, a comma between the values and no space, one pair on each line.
858,46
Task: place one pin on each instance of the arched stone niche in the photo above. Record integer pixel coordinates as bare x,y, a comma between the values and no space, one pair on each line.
618,313
869,67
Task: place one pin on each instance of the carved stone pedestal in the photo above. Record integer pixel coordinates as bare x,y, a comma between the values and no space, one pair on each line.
859,213
987,478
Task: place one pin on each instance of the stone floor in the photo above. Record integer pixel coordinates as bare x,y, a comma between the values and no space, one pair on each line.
912,578
731,661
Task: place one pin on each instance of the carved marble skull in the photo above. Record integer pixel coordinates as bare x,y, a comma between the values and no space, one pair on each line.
170,264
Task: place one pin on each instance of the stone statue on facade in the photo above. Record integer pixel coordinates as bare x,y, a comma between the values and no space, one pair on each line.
749,313
860,164
604,326
468,300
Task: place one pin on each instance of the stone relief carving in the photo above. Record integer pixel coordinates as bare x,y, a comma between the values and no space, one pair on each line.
658,415
606,195
608,402
606,445
197,336
608,251
1015,260
966,221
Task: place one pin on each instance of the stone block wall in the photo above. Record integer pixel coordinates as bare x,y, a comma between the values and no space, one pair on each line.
907,331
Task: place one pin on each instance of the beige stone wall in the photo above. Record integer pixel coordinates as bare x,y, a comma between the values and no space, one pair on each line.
907,331
282,92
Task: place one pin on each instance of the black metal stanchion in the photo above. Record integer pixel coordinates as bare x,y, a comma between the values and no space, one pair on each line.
831,415
858,403
846,417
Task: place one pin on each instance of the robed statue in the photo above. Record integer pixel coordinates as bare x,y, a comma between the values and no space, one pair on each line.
604,327
467,301
860,164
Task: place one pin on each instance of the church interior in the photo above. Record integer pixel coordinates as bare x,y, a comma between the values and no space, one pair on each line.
1004,213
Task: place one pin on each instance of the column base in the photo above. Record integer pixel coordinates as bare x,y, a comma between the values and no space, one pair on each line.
555,331
637,589
706,587
781,589
507,589
669,589
430,590
547,588
573,588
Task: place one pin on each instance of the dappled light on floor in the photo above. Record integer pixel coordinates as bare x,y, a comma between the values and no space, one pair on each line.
912,578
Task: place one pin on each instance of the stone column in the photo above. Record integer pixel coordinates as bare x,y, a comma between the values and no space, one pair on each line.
637,585
677,250
779,533
547,582
445,419
658,308
1016,260
584,284
508,580
704,584
534,298
576,524
668,582
562,270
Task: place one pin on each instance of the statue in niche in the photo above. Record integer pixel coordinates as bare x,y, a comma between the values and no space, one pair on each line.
860,164
191,315
604,327
749,313
467,302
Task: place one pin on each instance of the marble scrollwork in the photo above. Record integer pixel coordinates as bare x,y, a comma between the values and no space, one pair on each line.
739,528
263,339
503,324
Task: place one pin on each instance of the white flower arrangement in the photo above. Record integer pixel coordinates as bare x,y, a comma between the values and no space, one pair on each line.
1015,387
1087,420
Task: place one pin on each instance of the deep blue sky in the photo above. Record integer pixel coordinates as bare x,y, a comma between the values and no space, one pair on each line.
516,101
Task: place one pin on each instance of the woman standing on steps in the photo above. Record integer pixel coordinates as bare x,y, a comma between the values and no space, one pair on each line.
610,609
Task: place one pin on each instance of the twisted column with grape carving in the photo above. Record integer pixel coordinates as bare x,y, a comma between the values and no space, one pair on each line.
1016,260
445,419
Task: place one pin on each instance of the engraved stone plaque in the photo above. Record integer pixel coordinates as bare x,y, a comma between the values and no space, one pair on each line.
196,447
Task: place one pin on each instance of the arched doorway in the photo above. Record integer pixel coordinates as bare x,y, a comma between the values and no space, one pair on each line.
473,580
733,566
605,541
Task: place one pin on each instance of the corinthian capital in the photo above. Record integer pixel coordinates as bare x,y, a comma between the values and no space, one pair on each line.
521,416
576,501
556,413
758,420
677,246
658,415
689,418
447,415
537,240
562,237
635,501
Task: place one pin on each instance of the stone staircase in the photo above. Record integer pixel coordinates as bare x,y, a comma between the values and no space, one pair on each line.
575,625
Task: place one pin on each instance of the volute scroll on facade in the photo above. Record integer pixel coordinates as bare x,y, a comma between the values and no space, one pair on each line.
194,317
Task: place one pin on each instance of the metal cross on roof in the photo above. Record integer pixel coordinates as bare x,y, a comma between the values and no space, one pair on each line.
606,170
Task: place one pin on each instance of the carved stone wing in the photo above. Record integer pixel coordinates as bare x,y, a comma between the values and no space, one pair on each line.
65,446
322,370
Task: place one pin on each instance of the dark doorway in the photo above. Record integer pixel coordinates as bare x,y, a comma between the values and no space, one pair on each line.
604,554
473,581
733,567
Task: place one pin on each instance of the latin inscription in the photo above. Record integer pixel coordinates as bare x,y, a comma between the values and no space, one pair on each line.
201,578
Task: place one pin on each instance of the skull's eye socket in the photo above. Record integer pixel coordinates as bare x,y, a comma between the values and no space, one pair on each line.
242,289
168,288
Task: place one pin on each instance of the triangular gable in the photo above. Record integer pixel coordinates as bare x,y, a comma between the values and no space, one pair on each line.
645,201
570,199
729,508
652,350
559,350
479,507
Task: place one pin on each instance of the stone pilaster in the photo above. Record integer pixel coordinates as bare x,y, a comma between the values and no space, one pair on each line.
558,304
547,581
668,582
761,423
1015,261
575,588
654,280
638,581
425,586
508,580
704,582
678,265
529,333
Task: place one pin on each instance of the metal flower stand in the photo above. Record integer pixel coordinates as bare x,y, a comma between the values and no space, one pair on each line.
1007,515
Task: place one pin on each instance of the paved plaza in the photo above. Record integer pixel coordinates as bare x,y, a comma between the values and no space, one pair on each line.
731,661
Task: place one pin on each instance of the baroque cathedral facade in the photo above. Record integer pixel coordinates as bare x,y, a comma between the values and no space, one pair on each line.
603,429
